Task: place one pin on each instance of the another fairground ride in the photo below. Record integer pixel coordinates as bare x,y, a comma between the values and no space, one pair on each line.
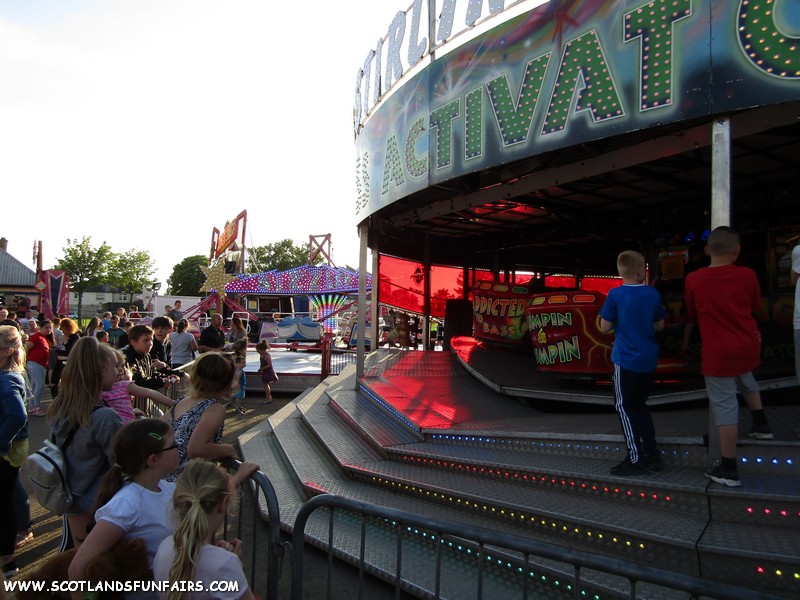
297,308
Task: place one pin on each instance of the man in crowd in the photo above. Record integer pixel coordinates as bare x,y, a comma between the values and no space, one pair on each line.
212,338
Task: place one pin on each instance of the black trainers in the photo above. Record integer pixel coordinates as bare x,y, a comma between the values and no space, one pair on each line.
626,468
653,462
721,475
761,432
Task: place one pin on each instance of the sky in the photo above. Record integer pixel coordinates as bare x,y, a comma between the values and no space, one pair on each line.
144,124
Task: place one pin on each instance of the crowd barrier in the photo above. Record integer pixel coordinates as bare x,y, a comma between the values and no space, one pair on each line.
263,557
484,547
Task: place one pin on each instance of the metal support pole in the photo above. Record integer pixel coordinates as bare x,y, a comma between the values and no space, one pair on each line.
720,215
375,331
431,27
361,320
426,295
721,173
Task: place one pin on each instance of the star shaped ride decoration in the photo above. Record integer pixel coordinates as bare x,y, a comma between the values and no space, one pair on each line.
216,278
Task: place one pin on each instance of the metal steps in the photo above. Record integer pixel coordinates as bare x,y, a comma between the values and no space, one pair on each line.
549,487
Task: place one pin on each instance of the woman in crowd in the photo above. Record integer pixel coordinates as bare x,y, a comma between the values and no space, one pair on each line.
184,346
237,332
91,368
69,329
13,439
38,360
93,327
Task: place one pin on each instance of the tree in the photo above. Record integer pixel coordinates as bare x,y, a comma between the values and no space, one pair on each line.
187,278
132,271
87,266
281,255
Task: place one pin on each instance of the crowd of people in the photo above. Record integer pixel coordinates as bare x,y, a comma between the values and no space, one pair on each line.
131,473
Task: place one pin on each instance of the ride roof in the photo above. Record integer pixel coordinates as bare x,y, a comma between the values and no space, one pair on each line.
306,279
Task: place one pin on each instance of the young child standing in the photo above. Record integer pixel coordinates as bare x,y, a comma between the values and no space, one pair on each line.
239,383
266,370
200,501
634,311
721,299
119,396
199,417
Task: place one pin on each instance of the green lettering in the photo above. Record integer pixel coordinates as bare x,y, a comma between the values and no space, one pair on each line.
392,166
514,116
653,25
441,121
584,80
765,44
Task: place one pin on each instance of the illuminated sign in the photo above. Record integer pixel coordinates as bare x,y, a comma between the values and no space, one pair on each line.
561,74
221,241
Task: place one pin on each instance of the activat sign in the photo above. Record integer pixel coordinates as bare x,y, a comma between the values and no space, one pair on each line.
560,74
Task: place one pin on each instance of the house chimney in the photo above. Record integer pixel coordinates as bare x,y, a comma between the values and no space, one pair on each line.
4,244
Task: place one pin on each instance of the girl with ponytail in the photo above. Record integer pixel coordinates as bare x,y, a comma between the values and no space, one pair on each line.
133,501
202,494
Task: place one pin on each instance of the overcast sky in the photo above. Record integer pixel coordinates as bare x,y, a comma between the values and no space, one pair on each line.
146,123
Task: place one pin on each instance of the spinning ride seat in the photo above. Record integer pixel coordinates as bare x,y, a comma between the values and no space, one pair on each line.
565,332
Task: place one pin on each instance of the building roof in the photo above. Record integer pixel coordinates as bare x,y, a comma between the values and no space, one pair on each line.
13,273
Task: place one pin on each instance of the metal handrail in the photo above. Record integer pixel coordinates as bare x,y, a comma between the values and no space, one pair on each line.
634,572
275,549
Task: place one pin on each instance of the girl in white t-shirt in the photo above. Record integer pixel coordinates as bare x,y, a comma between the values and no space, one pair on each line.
133,501
202,492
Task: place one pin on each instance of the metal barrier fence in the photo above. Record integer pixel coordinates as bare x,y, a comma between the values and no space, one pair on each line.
246,528
339,359
486,549
172,390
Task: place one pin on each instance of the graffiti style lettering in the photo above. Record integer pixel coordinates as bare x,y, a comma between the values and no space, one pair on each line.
565,351
499,330
539,320
499,307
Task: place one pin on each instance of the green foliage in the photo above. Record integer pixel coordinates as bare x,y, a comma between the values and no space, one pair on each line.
187,278
87,266
132,271
281,255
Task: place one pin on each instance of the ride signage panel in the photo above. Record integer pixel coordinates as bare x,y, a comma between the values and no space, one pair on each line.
566,73
499,314
566,335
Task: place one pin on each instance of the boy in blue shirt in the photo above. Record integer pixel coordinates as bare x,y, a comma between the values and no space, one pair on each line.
635,313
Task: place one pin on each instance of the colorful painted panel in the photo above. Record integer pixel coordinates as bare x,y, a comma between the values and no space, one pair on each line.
569,72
